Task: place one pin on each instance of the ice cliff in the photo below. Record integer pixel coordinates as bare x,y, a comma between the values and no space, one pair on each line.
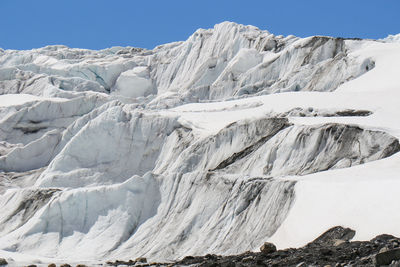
211,145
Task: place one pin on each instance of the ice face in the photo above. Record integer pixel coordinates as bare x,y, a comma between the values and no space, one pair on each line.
211,145
137,78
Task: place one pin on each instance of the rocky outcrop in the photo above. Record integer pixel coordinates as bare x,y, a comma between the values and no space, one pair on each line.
323,251
267,248
387,257
334,236
312,112
3,262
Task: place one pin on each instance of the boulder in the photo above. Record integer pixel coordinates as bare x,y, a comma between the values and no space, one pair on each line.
267,248
3,261
248,259
386,257
333,235
143,260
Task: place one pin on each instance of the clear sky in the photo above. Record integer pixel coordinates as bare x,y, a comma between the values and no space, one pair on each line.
96,24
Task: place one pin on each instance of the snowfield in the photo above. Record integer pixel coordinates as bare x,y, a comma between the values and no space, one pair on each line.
215,144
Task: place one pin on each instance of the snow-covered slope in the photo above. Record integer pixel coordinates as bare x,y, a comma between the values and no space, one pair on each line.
212,145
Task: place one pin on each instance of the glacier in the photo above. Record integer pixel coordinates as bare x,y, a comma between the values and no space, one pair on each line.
215,144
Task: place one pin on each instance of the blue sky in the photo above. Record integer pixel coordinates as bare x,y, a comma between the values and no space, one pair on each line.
97,24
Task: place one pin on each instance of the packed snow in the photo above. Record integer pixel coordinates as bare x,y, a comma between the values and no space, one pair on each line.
215,144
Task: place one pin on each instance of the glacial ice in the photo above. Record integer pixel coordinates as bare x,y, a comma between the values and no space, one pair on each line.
211,145
392,38
138,78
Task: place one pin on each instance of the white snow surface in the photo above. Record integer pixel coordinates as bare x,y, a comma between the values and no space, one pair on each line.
215,144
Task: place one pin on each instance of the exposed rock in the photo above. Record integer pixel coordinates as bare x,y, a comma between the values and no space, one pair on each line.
137,262
3,261
142,259
352,112
65,265
313,112
267,248
52,265
332,236
384,249
321,252
248,259
386,257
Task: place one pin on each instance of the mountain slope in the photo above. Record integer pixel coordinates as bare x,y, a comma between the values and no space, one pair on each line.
212,145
